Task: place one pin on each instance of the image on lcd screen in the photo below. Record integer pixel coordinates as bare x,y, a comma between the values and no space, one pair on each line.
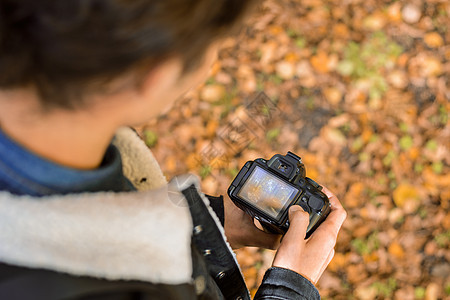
267,192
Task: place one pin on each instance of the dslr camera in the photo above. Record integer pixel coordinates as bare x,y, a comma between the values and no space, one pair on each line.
266,189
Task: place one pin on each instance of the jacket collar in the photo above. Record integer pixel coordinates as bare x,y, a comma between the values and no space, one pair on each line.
143,235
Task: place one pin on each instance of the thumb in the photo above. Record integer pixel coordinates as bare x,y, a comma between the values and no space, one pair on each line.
298,222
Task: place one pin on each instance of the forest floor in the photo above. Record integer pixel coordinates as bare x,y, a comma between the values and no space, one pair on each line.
358,89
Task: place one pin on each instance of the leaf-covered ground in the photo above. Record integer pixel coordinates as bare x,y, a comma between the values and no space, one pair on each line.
360,90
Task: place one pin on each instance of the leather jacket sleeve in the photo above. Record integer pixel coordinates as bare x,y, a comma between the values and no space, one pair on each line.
279,283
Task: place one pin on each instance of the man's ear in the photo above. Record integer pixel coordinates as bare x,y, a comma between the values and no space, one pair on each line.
161,78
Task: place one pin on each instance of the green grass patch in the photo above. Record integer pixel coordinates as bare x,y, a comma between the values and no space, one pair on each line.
150,138
366,62
366,246
385,289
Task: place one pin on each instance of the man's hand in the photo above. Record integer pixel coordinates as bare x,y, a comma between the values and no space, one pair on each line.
310,257
241,231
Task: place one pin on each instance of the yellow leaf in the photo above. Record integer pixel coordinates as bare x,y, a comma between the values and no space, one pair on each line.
333,95
212,93
375,21
395,249
405,193
370,257
341,31
431,66
193,161
354,196
433,40
275,30
394,12
285,69
320,62
367,134
291,57
413,153
211,128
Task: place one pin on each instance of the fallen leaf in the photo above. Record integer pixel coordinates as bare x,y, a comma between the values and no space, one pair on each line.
341,30
320,62
338,262
353,198
411,13
366,292
432,291
333,95
394,12
433,40
398,79
334,136
396,250
212,93
405,193
432,66
285,69
375,21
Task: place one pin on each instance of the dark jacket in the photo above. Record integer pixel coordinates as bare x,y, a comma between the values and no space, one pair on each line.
184,255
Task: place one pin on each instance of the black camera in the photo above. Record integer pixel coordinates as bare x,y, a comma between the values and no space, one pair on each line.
266,189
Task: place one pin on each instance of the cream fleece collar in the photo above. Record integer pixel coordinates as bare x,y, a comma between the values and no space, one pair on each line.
144,235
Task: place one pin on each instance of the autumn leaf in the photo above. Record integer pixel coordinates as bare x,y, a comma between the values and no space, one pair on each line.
405,193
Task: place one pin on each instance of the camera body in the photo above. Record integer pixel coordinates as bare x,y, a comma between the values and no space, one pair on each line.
266,189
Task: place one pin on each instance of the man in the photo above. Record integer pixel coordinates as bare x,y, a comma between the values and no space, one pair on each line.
74,73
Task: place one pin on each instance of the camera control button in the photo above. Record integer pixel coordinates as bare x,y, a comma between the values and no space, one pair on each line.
313,183
315,202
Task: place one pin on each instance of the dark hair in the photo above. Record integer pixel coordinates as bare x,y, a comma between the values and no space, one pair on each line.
67,48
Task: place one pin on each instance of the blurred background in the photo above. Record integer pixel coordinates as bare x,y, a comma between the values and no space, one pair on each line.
358,89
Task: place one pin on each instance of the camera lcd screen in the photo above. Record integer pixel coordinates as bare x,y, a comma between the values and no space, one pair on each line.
267,192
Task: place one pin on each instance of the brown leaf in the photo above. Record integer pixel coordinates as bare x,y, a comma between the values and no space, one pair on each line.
285,69
353,197
432,291
333,95
433,40
320,62
334,136
212,93
398,79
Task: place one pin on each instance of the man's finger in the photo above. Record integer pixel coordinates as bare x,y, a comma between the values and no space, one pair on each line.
335,219
265,240
298,222
335,204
